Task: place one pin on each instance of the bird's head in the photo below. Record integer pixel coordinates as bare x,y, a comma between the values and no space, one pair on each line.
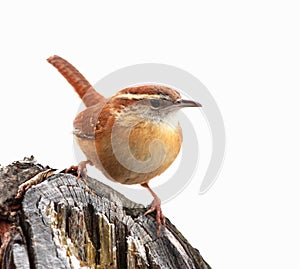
149,102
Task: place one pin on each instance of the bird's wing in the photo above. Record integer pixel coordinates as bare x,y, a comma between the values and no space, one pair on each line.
85,123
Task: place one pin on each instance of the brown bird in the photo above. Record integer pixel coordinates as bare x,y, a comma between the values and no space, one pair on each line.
132,136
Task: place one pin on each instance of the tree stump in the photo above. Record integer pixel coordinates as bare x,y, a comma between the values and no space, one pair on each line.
50,219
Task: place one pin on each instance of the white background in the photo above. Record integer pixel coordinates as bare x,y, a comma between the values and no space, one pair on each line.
247,55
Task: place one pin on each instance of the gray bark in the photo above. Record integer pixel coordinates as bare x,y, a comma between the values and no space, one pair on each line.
55,220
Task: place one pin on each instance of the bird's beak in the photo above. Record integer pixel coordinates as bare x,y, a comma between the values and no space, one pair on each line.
180,103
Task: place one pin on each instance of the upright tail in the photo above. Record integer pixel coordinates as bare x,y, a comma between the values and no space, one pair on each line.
84,89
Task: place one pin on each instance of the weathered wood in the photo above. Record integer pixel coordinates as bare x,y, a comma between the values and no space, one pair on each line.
62,223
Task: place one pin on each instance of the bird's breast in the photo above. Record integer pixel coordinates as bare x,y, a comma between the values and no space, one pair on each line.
135,154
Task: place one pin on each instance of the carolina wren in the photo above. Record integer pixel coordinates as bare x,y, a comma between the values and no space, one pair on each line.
132,136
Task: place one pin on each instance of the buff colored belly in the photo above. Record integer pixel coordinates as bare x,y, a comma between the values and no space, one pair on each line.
134,156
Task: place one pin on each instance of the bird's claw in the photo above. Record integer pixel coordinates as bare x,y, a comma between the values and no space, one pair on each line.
160,218
80,169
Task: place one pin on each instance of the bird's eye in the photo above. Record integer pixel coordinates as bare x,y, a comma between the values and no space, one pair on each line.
154,103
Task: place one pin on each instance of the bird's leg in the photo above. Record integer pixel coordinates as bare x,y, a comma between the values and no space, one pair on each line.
155,206
81,172
80,169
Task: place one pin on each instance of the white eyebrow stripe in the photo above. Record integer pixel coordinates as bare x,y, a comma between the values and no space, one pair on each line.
140,96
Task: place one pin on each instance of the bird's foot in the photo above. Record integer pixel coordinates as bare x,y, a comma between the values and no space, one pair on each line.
80,169
160,218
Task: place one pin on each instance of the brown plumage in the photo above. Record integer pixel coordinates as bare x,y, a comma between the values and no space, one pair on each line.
84,89
132,136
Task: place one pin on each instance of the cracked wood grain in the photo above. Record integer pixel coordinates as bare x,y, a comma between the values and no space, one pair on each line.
61,224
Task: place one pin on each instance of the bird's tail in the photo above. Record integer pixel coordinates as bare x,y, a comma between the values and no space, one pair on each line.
84,89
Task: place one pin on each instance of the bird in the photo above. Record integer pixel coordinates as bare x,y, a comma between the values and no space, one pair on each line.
132,136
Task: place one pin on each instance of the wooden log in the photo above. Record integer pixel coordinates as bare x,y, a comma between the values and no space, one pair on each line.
50,219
